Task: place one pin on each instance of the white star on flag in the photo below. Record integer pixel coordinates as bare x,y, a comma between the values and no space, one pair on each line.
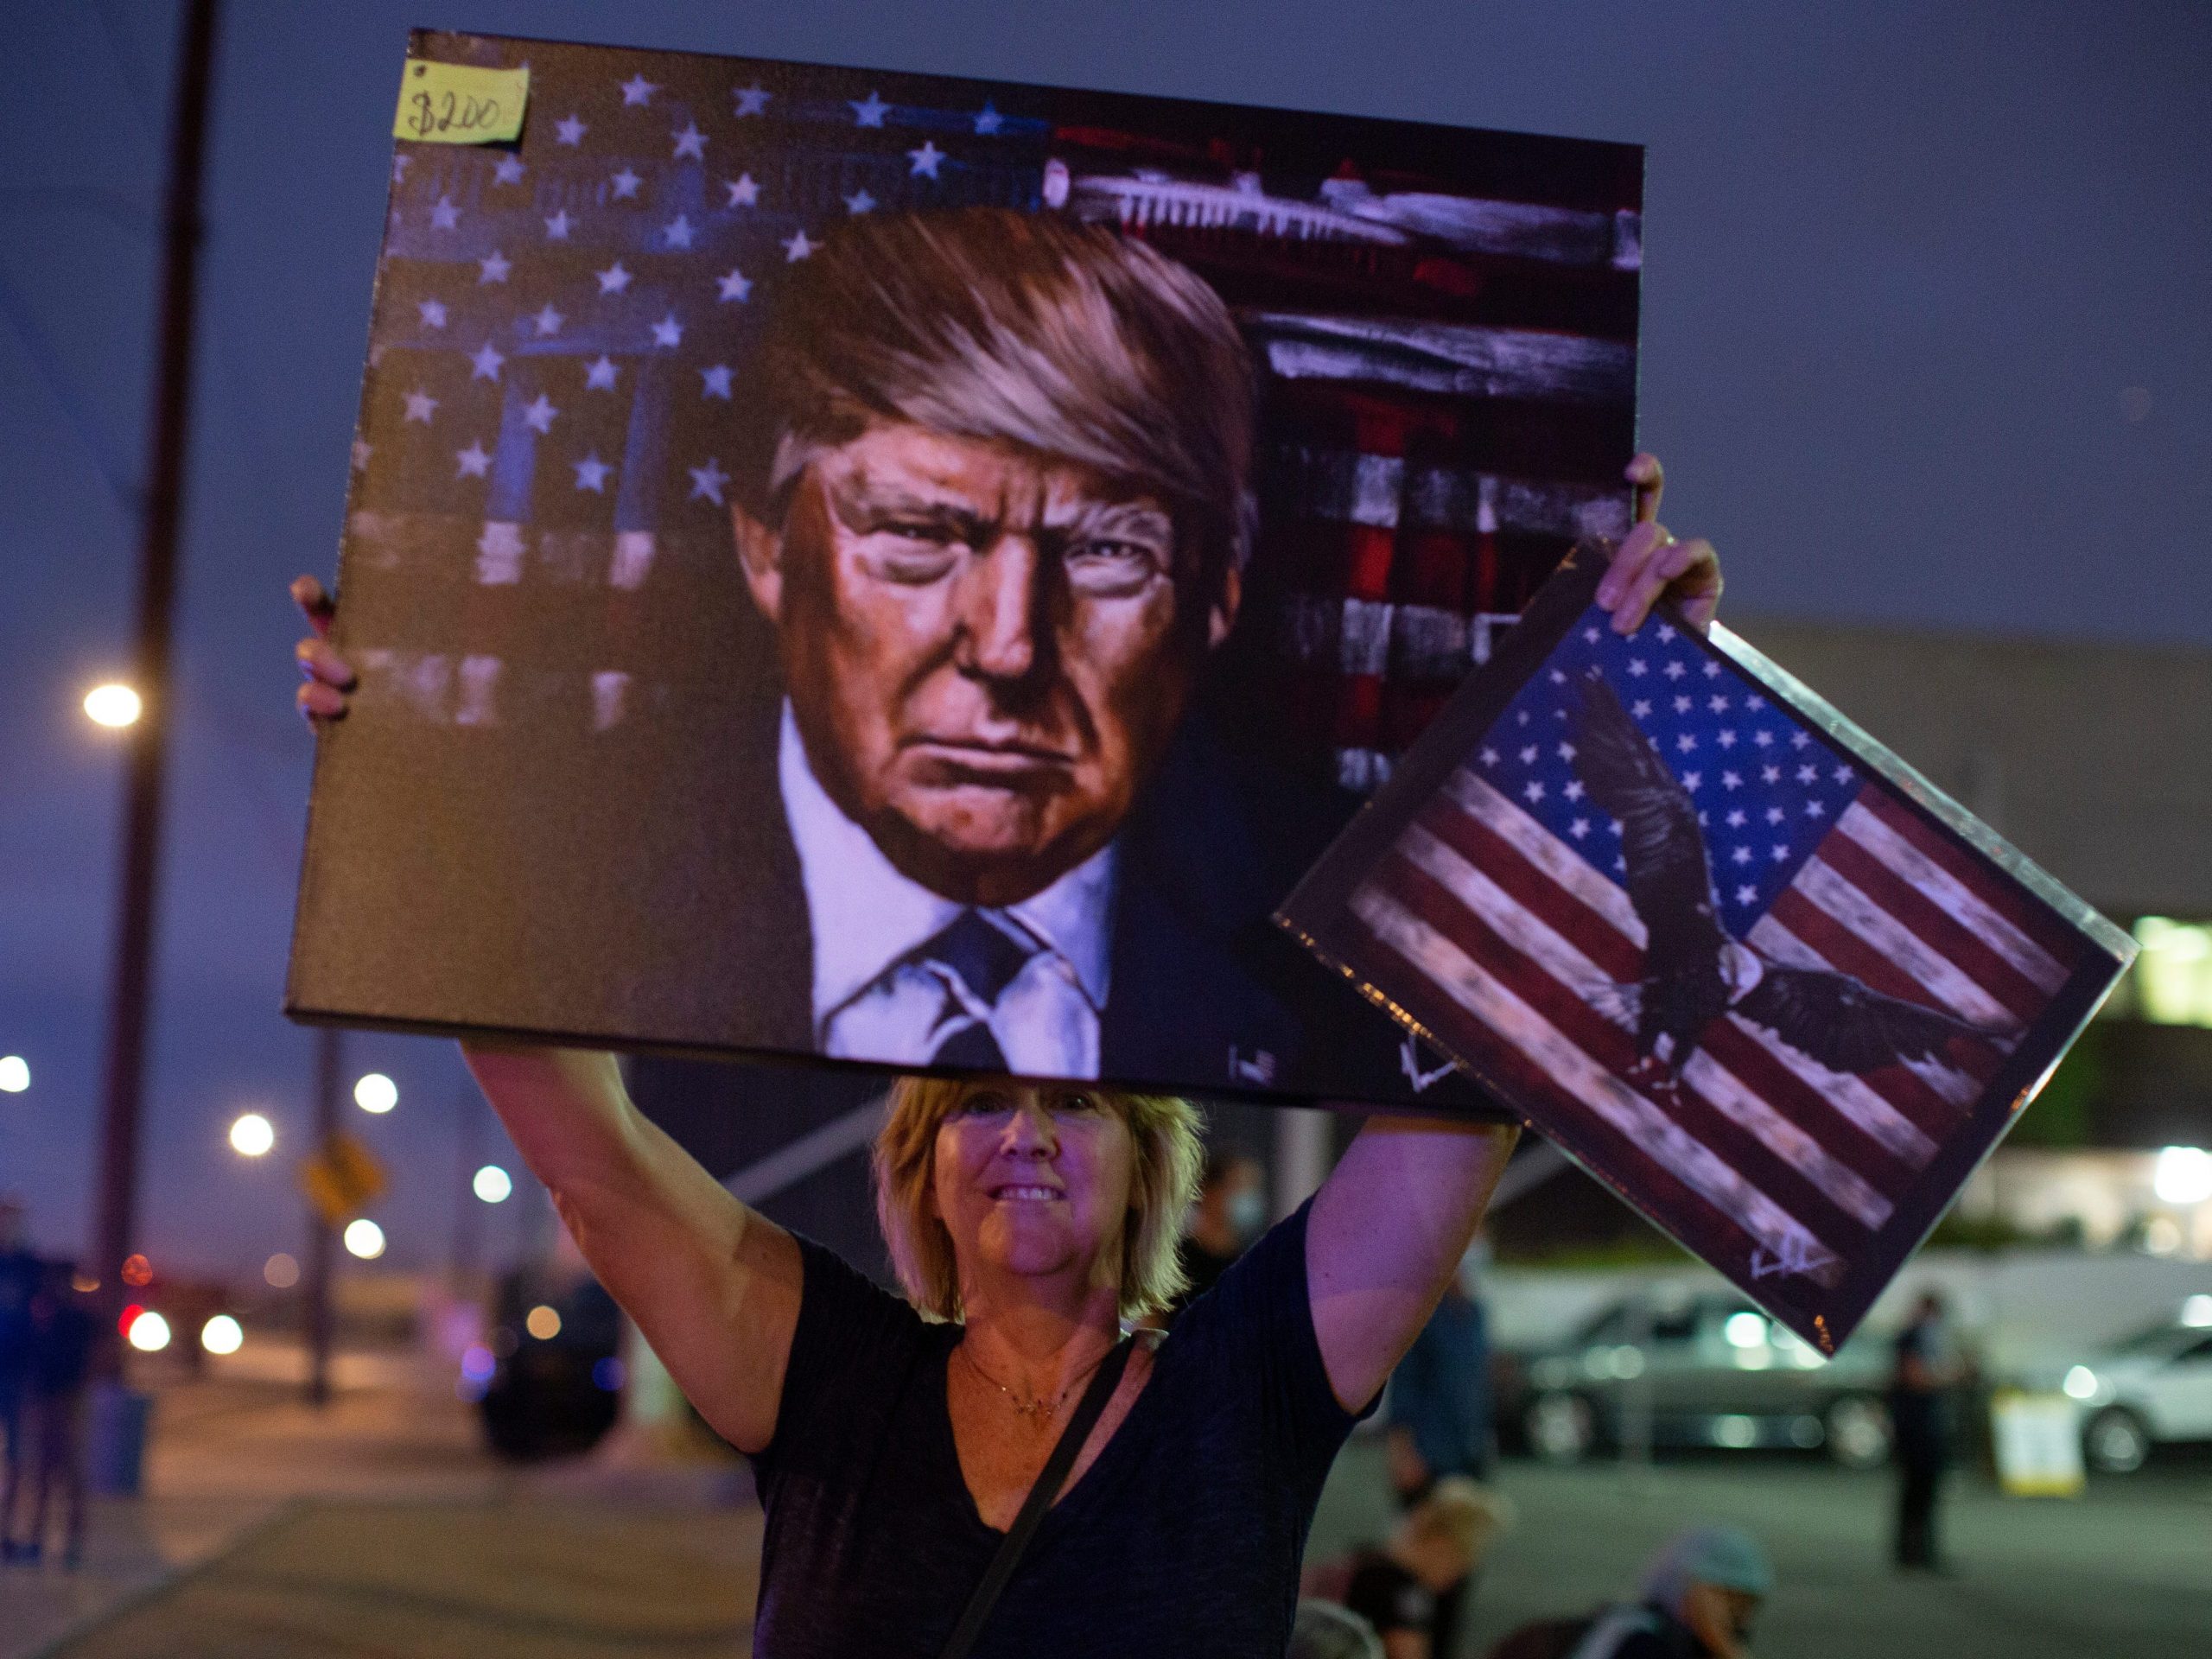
444,216
509,171
569,131
599,375
475,462
538,416
667,331
495,266
743,193
626,184
557,227
734,285
549,320
859,202
613,279
751,100
638,90
871,112
796,247
690,141
421,406
485,362
988,119
925,160
678,231
433,312
708,481
591,473
717,381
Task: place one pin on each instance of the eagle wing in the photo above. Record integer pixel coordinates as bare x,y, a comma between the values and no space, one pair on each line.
1668,880
1846,1025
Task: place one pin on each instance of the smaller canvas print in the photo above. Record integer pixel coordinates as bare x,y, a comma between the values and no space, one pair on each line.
1721,947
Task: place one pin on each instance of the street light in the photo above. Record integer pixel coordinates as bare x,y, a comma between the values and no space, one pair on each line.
252,1135
492,1183
364,1238
150,1332
114,705
2183,1175
222,1335
15,1074
376,1094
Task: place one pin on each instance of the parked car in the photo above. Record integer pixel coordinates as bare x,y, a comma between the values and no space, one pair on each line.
1712,1370
2152,1388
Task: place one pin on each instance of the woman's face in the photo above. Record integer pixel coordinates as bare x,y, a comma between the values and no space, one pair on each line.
1035,1180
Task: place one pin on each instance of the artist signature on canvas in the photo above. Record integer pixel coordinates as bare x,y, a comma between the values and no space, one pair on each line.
1797,1255
1410,1062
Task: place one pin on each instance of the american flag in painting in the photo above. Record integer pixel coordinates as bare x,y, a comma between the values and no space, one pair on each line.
1499,917
1445,323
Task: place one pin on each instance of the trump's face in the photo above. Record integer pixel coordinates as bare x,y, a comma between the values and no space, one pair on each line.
987,650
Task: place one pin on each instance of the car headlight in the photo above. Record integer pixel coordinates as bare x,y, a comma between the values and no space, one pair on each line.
2080,1384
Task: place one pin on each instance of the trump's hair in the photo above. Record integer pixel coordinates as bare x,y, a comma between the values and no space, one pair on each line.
1167,1155
1067,339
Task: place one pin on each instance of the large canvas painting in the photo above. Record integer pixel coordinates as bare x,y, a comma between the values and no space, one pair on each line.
1718,944
909,571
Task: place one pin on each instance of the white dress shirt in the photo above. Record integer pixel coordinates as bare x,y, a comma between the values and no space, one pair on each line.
871,1003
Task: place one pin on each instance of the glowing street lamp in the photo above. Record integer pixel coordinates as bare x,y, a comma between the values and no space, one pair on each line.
2183,1175
364,1238
376,1094
252,1135
15,1074
492,1183
222,1335
148,1333
114,705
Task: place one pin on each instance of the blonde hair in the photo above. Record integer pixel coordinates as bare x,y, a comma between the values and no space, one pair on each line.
1468,1513
1164,1179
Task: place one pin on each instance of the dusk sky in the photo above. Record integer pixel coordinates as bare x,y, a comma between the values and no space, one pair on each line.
1925,345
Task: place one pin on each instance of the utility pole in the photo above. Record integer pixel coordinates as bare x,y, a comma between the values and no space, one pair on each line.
115,1226
329,1073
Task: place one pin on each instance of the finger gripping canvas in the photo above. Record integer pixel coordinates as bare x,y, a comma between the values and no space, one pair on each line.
1718,945
910,571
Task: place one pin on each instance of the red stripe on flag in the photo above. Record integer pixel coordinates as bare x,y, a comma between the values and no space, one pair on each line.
2008,901
1536,893
1935,927
1804,1105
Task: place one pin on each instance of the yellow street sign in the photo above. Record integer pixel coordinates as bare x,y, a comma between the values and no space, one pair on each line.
343,1179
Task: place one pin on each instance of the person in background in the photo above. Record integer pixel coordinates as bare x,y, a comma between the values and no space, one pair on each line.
1920,1412
1698,1599
19,1274
1322,1629
1440,1541
1440,1412
1230,1212
62,1328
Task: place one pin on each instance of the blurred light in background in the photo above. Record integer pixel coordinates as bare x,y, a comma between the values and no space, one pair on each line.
364,1238
477,1363
543,1323
113,705
138,1270
15,1074
2183,1175
222,1335
252,1135
492,1183
1745,1330
148,1333
376,1093
2196,1311
2080,1384
2173,976
607,1376
281,1271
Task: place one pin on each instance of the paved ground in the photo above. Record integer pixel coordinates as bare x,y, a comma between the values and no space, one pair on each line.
381,1530
2125,1570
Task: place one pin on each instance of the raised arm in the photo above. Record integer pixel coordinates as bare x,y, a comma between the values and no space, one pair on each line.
714,1285
1389,1225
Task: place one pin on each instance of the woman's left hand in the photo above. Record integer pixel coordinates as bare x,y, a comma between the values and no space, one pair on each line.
1651,563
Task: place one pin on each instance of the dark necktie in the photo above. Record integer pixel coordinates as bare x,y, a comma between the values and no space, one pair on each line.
984,958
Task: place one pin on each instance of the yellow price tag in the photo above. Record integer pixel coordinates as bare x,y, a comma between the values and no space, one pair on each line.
455,103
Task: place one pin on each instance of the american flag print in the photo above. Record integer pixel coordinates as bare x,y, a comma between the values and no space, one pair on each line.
1493,908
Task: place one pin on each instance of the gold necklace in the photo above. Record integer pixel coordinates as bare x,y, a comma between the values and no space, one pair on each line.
1034,1407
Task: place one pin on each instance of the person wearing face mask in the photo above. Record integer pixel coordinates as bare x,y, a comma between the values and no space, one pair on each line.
1699,1598
1232,1210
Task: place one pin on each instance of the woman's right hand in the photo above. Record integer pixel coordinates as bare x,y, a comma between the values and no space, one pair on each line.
330,678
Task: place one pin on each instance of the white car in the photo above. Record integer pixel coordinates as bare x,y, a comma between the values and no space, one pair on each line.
2151,1389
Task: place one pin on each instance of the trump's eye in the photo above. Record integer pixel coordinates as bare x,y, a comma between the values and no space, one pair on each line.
1112,567
911,551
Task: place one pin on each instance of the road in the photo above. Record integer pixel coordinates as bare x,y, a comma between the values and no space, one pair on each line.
380,1530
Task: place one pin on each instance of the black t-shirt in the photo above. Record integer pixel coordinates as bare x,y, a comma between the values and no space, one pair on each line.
1390,1597
1183,1538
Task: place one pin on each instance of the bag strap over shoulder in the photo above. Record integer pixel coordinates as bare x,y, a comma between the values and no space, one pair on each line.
1049,1481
